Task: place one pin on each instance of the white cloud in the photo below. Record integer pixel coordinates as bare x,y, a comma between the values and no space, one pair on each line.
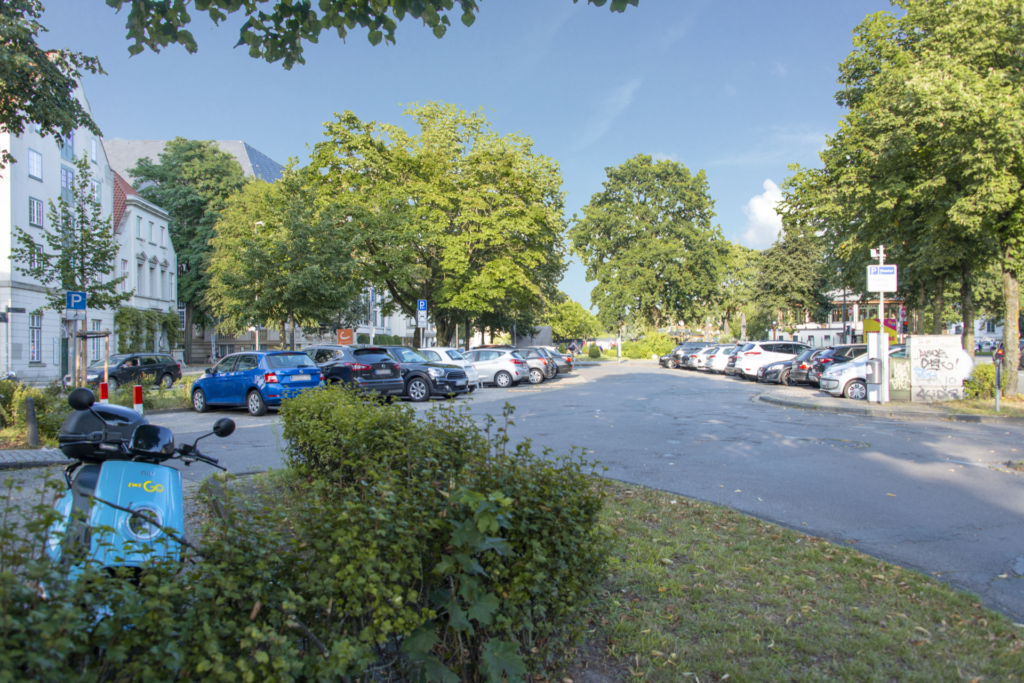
613,106
763,224
777,144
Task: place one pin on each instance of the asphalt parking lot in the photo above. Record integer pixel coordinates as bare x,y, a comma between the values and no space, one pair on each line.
920,494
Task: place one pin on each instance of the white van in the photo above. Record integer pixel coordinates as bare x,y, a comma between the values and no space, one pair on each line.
756,354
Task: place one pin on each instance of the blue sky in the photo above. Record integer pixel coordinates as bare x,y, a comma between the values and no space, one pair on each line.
739,88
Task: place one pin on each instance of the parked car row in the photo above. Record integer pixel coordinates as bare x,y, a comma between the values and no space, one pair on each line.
261,379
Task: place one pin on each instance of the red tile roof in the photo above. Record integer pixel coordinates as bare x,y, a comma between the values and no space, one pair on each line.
122,189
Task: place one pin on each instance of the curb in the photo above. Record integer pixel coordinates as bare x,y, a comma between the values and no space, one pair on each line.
32,464
165,411
57,458
892,414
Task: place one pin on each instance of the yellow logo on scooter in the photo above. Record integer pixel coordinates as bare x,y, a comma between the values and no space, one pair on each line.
147,486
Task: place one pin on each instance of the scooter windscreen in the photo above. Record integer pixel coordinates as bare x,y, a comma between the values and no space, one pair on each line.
117,418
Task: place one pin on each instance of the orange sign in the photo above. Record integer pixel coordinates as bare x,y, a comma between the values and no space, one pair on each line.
344,337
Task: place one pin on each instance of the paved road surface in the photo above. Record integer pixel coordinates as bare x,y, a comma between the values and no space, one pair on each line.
919,494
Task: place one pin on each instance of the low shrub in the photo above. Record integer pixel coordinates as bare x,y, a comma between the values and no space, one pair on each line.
594,351
656,344
562,348
50,405
982,382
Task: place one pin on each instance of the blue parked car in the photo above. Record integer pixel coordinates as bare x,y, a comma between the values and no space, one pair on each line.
256,380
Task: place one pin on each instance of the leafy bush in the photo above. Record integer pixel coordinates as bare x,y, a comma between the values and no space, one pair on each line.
50,404
982,382
562,348
594,351
656,344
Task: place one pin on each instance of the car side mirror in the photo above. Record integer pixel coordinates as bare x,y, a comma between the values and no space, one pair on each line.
209,371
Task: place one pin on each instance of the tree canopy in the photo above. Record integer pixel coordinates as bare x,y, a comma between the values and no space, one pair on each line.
191,181
458,215
648,241
277,259
570,320
276,30
37,86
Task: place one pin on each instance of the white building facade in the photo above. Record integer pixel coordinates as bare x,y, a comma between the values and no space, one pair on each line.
35,343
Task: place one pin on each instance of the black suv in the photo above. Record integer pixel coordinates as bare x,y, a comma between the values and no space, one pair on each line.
132,368
369,368
424,378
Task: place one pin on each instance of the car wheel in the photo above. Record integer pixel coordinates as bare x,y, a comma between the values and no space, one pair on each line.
503,379
856,390
255,403
536,376
199,401
167,381
112,385
671,365
784,378
417,390
472,389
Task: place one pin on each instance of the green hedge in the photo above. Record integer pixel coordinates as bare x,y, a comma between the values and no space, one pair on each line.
594,351
416,546
982,382
656,344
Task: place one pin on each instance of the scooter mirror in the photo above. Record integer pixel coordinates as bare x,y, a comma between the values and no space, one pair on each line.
224,427
81,399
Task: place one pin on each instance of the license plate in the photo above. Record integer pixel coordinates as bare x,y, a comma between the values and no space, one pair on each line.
300,378
382,372
460,383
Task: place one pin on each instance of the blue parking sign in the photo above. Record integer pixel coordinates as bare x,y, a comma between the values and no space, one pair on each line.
421,304
76,301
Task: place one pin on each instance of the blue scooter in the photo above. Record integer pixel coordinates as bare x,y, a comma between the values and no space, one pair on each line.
120,487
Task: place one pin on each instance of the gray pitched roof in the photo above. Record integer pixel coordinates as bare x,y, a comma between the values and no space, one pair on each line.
124,154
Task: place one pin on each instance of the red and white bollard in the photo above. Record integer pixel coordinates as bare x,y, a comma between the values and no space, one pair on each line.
137,398
103,392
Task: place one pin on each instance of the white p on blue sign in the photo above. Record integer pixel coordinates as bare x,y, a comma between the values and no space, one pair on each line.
76,301
882,279
421,313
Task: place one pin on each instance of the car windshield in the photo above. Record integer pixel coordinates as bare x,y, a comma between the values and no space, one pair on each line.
454,355
284,361
805,355
405,355
114,360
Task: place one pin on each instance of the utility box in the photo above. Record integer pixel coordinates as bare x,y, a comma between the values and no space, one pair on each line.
873,373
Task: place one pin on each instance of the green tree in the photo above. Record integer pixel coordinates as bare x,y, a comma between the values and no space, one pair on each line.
458,215
36,85
277,259
930,157
739,276
78,252
648,241
192,182
278,32
570,320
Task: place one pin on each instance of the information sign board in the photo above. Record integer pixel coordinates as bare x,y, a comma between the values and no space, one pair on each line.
882,278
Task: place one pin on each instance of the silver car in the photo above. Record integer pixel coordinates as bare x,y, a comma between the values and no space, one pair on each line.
446,354
500,367
539,363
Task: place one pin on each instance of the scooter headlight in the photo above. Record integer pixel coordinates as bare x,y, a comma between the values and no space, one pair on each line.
142,530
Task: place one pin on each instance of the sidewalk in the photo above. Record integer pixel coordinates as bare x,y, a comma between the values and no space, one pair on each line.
809,399
39,457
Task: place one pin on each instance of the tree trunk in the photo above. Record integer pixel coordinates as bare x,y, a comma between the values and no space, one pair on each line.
938,304
417,337
187,335
1011,331
967,307
922,301
291,331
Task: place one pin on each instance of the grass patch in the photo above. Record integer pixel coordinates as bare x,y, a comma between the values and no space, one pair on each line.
1011,406
700,592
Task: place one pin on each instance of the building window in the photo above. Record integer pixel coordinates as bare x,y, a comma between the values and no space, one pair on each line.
92,150
124,274
163,284
138,226
990,326
171,291
67,182
67,146
35,164
138,280
96,191
152,233
152,282
35,331
181,314
163,230
96,341
35,212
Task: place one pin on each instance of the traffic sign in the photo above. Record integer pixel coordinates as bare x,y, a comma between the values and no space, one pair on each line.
76,301
882,278
421,313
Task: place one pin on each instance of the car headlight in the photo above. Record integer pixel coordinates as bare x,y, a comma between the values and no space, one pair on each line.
435,373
